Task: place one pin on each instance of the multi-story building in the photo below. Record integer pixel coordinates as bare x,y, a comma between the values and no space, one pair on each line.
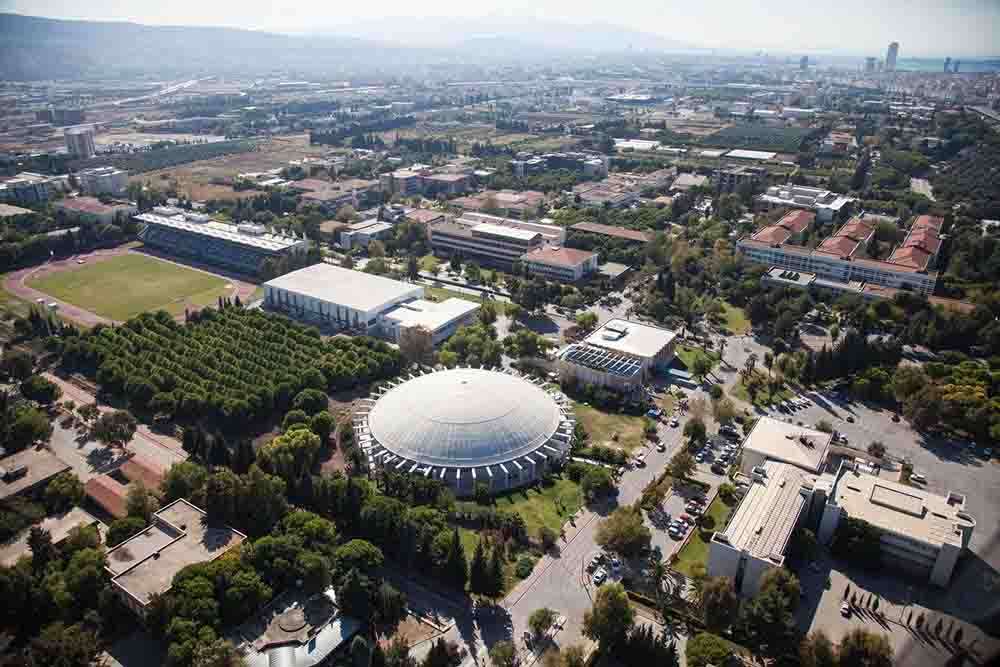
239,247
620,355
838,143
919,532
31,188
827,205
360,234
483,242
330,196
562,264
92,210
621,189
890,56
791,228
422,180
102,181
734,177
80,141
510,203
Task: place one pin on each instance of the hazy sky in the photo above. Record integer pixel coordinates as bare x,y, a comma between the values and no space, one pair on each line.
923,27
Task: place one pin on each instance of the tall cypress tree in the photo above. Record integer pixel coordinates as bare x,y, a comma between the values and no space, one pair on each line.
496,572
457,567
479,581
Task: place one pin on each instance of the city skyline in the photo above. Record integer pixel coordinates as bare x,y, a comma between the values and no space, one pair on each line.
965,29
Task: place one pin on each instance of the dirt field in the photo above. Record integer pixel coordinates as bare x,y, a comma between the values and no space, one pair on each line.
147,138
200,180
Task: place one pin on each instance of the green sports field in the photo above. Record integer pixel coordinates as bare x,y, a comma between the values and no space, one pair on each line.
123,286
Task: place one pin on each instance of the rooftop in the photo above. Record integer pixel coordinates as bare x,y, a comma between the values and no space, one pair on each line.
685,181
781,441
559,256
218,230
59,527
430,314
610,230
180,535
90,205
634,338
766,516
40,465
346,287
600,359
464,418
899,508
7,211
503,230
743,154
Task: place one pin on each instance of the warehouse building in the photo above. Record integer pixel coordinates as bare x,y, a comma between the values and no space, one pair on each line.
365,303
620,355
196,236
466,427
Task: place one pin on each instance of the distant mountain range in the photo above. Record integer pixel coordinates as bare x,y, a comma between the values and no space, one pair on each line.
547,36
33,48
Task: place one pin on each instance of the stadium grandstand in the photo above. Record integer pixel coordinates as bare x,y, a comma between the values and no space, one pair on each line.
197,237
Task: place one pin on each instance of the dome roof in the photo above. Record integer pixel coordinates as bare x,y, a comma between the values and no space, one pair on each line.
464,417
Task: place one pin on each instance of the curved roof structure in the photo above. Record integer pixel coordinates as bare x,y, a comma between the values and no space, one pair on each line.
464,418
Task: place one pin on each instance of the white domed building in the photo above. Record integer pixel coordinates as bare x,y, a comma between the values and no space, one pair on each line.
466,426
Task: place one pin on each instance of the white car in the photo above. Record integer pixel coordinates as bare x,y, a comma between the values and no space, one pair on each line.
674,423
600,576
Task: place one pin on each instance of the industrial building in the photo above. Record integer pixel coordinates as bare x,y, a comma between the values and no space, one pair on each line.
102,181
620,355
180,534
464,427
370,304
197,237
80,141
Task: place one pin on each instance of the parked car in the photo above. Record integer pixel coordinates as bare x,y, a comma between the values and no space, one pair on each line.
660,447
674,423
845,610
718,468
850,419
919,478
600,576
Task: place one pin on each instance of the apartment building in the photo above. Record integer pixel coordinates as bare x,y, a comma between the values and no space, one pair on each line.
31,188
734,177
422,180
102,180
484,242
562,264
838,143
824,203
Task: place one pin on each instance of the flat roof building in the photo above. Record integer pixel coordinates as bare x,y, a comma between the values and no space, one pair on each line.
92,210
180,535
826,204
757,535
491,240
103,180
28,469
619,355
560,263
241,247
364,302
920,532
773,439
360,234
59,528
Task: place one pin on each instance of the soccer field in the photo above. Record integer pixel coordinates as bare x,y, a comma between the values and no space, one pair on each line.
123,286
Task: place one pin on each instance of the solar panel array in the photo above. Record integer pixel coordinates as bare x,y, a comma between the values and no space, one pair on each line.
606,361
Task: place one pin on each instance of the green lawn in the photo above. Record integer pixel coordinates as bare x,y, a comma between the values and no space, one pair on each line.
441,293
127,285
548,506
695,552
601,425
737,323
687,354
429,263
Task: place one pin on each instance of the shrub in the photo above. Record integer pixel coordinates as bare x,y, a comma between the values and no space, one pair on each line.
525,564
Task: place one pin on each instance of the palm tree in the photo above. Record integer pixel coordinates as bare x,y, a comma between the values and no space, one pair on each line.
768,361
722,350
658,572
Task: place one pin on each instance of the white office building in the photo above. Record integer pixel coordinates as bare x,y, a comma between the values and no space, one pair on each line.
620,355
364,303
102,181
775,440
826,204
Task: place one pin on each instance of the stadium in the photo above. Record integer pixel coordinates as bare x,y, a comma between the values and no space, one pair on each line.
466,426
196,237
